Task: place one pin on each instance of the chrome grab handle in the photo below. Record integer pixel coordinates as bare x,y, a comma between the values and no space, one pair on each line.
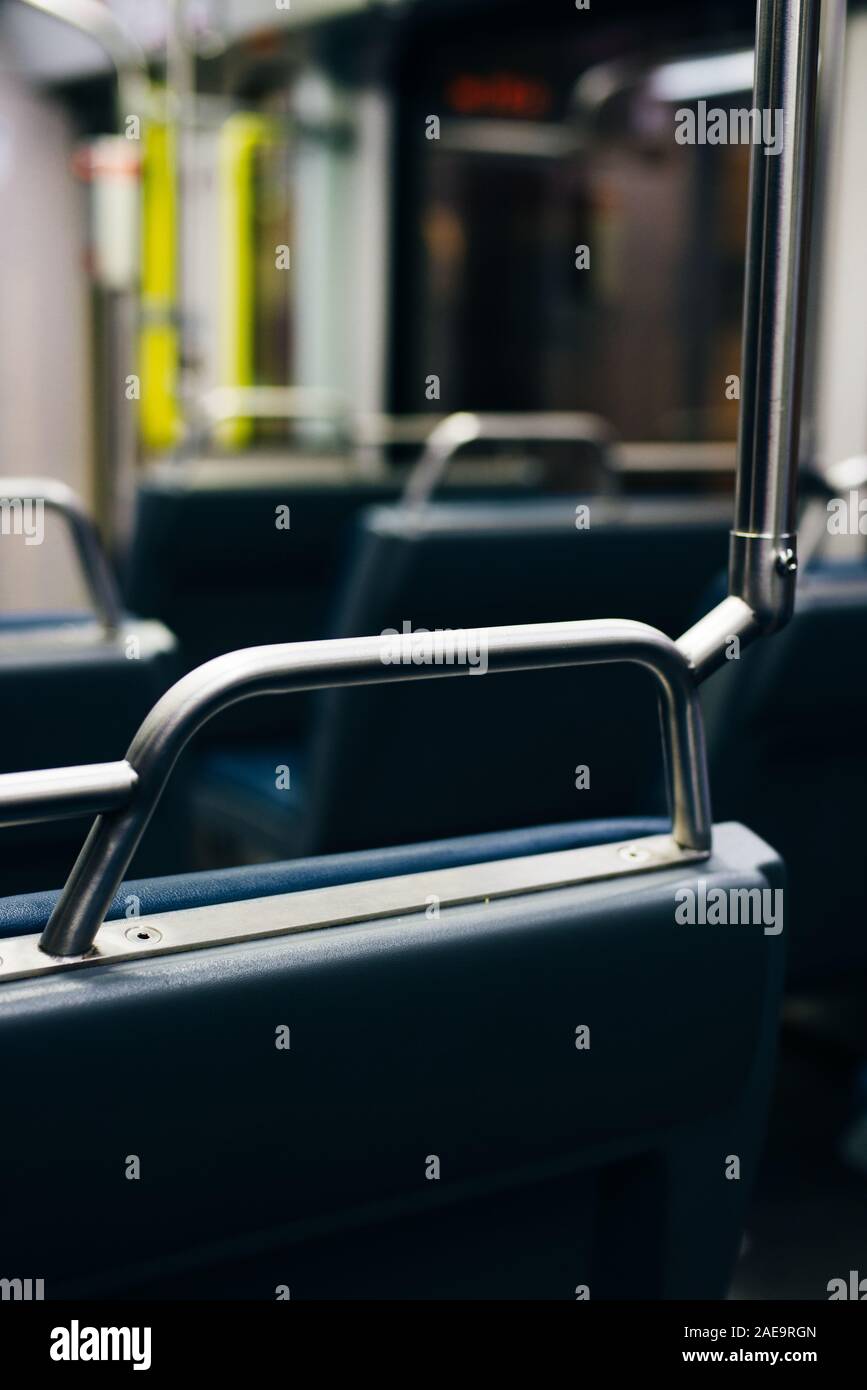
279,670
456,431
57,497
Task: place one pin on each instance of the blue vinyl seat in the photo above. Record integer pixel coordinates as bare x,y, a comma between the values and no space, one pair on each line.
208,559
473,766
71,693
784,752
433,1130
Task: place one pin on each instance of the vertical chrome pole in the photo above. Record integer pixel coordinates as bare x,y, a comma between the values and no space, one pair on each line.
764,546
763,557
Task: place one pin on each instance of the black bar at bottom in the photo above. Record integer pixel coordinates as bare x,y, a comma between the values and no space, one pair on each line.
194,1338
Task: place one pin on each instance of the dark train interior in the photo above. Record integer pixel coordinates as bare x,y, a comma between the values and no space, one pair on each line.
346,349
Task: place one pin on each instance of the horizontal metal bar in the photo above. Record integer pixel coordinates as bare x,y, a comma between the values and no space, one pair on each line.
674,457
292,405
59,498
225,404
211,688
60,792
455,432
346,904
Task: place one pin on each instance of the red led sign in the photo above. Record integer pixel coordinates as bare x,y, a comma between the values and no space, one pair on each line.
498,94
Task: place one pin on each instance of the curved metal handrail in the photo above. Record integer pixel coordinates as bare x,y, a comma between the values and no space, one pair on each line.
456,431
60,498
280,670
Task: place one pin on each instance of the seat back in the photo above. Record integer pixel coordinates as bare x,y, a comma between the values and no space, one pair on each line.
70,692
570,752
230,556
779,754
483,1103
531,1077
208,557
404,1065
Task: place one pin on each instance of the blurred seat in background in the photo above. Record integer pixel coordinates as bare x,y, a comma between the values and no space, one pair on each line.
784,747
387,765
232,552
74,687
